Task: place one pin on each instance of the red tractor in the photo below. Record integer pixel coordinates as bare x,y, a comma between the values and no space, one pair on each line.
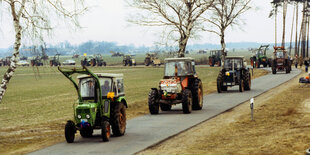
180,85
280,60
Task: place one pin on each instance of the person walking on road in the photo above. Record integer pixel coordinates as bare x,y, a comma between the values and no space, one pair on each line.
296,61
306,65
300,61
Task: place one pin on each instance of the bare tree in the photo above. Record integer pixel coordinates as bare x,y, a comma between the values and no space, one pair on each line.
182,18
33,20
226,13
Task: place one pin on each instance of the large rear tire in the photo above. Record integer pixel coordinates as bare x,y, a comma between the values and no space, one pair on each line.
197,95
105,131
187,101
241,86
153,102
118,119
70,131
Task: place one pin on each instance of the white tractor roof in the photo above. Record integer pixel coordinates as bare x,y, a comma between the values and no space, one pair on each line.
180,59
108,75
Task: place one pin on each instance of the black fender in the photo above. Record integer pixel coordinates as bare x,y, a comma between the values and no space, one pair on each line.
125,103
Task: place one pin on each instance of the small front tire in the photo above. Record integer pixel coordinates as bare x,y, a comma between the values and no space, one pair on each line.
70,131
105,131
187,101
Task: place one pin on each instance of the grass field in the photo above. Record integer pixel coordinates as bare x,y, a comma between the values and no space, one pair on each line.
39,101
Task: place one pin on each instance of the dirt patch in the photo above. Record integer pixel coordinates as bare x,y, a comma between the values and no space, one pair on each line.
281,126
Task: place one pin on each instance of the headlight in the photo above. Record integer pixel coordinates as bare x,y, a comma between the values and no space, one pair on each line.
227,74
88,116
79,116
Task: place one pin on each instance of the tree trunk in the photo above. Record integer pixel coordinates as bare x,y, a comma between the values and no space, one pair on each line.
284,19
304,21
292,32
307,53
223,45
296,36
182,46
275,26
9,73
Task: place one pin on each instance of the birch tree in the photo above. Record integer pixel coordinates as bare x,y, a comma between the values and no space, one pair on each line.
226,13
33,20
182,18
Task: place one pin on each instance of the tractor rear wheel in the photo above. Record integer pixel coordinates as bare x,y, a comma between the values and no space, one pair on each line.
70,131
241,86
165,107
152,101
187,101
118,119
104,63
247,81
105,131
86,133
197,92
273,67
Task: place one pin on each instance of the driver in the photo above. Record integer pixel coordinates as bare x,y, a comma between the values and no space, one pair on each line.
105,88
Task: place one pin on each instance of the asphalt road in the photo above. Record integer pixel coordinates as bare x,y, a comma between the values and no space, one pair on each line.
145,131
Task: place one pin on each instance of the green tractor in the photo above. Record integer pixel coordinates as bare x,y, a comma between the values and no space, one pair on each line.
97,60
101,104
215,58
55,61
260,57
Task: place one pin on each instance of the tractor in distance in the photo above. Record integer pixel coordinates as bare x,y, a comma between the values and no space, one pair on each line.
97,60
280,60
180,84
86,62
101,104
128,60
260,57
55,61
151,58
234,72
215,57
36,61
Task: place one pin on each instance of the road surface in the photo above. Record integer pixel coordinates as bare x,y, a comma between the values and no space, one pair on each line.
145,131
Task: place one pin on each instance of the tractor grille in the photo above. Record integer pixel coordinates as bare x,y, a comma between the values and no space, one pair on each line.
85,111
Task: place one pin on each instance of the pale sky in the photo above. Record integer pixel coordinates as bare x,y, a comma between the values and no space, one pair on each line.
106,21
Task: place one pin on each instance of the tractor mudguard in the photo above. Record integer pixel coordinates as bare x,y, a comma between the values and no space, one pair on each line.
123,100
154,89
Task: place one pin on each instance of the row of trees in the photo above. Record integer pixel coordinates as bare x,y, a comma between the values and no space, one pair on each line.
185,19
302,32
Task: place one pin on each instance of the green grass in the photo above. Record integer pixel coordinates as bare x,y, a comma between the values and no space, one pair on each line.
36,96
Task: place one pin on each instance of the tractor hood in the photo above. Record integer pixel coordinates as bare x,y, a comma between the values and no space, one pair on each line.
170,85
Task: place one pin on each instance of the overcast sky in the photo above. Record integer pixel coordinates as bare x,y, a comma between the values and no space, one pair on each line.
106,21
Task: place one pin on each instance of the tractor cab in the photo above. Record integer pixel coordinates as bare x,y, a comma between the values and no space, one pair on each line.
180,67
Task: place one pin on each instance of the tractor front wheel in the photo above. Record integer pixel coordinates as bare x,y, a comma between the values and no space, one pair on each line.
219,86
70,131
105,131
153,104
187,101
118,119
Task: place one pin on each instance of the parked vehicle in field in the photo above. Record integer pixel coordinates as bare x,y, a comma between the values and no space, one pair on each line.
36,61
55,61
152,59
215,58
101,104
260,57
128,60
86,62
180,85
280,60
234,72
22,63
97,60
68,62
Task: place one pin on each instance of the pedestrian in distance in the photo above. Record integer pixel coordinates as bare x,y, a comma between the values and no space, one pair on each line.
306,65
296,61
301,61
